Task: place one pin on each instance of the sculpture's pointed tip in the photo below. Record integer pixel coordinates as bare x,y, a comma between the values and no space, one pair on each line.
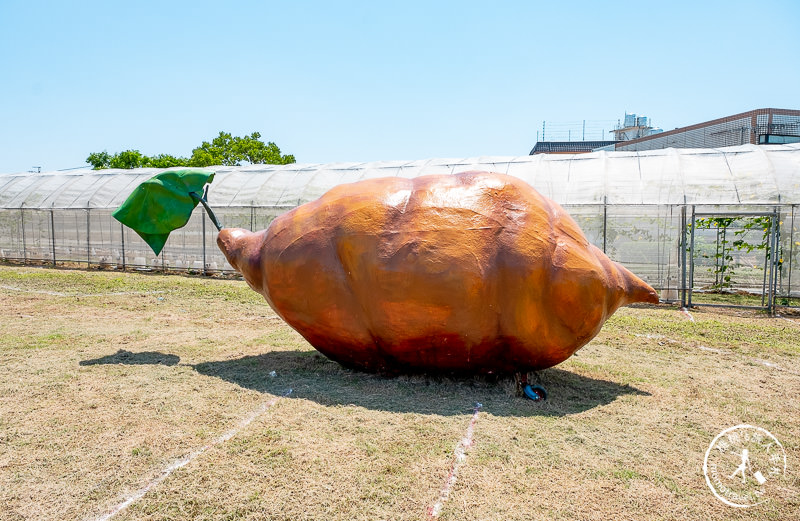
643,292
637,290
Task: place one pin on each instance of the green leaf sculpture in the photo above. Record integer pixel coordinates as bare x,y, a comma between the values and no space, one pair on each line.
164,203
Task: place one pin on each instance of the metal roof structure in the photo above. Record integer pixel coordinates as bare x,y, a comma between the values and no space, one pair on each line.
568,147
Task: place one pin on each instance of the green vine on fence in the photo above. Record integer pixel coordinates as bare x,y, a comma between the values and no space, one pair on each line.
724,267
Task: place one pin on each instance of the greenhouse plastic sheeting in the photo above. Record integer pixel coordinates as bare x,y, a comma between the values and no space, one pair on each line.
747,174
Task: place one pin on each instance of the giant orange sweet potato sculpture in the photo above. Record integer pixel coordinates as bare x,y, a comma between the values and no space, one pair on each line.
474,272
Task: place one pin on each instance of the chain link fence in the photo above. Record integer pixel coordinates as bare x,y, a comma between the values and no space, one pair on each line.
644,238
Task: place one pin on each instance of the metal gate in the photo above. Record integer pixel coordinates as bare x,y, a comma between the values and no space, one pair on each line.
730,253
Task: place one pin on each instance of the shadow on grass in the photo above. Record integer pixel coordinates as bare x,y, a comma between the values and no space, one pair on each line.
129,358
313,377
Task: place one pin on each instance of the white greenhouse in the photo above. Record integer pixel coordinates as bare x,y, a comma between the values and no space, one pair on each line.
736,206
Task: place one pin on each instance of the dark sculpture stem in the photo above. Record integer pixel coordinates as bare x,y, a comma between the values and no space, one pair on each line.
204,201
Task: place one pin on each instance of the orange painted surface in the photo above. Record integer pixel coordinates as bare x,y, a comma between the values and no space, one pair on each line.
474,272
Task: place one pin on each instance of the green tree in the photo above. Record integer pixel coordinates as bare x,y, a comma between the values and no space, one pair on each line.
229,150
99,160
167,161
224,149
128,159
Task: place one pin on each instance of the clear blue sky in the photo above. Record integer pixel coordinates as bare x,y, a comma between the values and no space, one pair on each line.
362,81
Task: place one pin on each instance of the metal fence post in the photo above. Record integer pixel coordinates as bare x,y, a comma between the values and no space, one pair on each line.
778,255
24,244
605,220
791,254
122,229
691,260
53,235
88,242
773,262
764,289
659,264
683,256
665,255
205,272
717,261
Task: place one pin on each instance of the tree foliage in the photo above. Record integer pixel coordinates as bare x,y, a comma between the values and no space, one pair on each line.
233,150
224,149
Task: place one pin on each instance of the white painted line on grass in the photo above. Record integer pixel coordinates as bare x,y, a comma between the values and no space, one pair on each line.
57,294
654,336
187,459
687,314
459,457
714,350
673,341
767,363
708,349
657,337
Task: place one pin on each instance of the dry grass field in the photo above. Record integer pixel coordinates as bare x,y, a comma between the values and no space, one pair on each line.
107,379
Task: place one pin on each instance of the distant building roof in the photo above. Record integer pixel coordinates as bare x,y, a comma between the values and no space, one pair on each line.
760,126
568,147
